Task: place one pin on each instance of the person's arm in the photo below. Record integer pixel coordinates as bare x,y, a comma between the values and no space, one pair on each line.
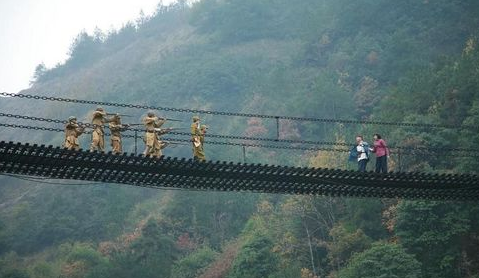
113,127
163,145
159,122
98,114
382,143
79,130
160,131
146,120
193,129
387,149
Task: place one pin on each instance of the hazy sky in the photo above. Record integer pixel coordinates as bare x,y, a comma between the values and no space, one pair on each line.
36,31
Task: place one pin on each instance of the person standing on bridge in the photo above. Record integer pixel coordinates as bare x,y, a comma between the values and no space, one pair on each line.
163,144
99,119
196,138
153,144
201,149
362,149
116,128
382,153
72,131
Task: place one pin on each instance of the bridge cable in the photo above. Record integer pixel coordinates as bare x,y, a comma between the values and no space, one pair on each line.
235,114
234,137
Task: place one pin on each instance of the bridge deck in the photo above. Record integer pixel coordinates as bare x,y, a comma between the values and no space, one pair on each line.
166,172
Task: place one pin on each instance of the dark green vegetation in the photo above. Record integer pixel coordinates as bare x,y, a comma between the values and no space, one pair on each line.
410,60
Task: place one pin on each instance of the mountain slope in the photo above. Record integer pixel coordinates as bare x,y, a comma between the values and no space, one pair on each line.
383,60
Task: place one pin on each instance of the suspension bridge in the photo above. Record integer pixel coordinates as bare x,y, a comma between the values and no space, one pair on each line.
165,172
179,173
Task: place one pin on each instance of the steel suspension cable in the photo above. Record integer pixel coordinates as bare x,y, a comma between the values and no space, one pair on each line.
246,138
187,140
220,143
235,114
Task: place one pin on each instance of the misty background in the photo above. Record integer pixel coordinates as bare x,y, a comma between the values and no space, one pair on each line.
376,60
34,32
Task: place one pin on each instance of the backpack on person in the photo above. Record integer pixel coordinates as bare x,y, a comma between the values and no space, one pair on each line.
353,154
366,150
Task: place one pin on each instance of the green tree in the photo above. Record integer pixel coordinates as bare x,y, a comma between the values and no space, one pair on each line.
345,244
3,238
39,72
433,231
11,266
382,260
85,48
43,270
82,259
151,255
365,215
31,229
470,139
214,217
255,258
192,265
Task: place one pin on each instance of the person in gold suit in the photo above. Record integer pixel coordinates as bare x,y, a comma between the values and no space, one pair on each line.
98,135
195,138
72,131
116,127
153,144
200,151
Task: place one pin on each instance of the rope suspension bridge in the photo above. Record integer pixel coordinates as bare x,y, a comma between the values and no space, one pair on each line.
317,145
57,163
175,173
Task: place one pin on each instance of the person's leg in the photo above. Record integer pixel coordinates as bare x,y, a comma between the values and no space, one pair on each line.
101,143
120,147
94,141
378,164
362,165
116,146
385,164
69,143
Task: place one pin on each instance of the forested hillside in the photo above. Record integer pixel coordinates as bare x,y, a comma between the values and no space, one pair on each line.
413,61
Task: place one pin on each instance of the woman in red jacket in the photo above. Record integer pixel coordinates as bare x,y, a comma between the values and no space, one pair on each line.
382,153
